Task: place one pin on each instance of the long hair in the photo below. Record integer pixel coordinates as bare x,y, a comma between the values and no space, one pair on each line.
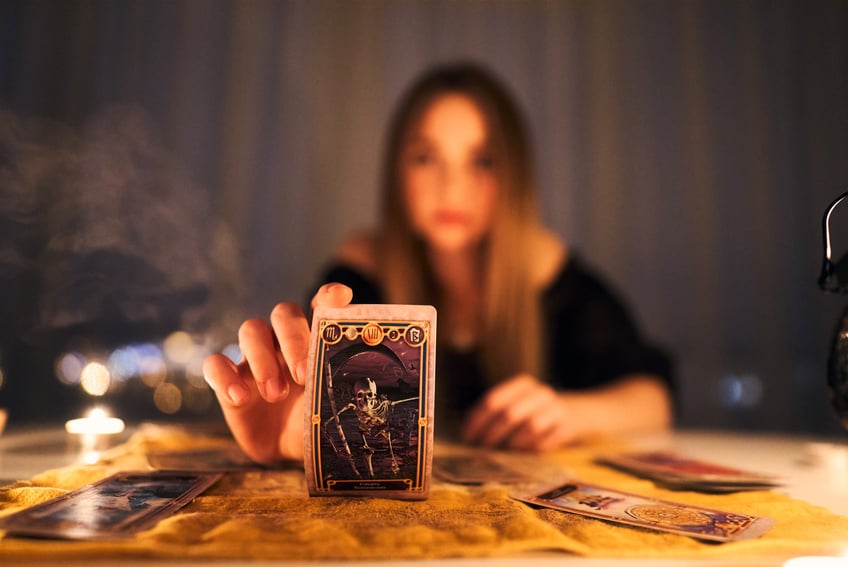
509,325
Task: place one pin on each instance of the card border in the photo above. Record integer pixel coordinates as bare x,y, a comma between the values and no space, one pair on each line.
361,315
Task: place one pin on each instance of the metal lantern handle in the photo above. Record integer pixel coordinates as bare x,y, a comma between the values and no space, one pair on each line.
829,277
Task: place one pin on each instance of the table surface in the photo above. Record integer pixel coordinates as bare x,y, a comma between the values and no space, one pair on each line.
813,470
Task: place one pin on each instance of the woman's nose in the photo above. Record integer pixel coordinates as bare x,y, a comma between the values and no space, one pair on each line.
455,182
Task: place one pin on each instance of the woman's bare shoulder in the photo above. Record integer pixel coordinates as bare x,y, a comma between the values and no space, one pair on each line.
551,256
358,250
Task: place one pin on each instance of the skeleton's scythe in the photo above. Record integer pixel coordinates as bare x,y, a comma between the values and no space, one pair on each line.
338,423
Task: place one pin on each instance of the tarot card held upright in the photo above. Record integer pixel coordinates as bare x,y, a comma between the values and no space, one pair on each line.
368,427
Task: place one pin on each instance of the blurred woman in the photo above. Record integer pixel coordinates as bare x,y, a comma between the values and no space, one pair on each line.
534,352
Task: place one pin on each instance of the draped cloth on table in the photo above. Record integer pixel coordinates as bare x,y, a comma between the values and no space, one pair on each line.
267,514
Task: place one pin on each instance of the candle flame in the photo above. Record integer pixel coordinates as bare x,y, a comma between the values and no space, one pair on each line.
96,423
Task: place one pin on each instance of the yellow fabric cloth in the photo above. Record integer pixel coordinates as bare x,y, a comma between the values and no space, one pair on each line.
267,514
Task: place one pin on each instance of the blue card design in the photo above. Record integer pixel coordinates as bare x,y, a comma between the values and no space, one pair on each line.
116,507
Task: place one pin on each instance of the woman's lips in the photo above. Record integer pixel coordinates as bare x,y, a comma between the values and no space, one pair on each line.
451,217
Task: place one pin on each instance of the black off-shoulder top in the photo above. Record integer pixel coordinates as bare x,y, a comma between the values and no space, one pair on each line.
591,340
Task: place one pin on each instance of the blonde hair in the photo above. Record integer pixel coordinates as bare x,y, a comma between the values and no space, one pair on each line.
509,327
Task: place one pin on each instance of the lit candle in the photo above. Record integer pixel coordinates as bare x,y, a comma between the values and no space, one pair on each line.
93,433
96,423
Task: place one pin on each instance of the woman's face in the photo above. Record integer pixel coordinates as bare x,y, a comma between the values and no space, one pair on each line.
448,175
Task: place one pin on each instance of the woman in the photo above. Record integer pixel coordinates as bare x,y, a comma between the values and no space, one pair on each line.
534,351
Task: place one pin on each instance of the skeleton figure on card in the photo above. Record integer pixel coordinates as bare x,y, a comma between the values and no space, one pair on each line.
373,414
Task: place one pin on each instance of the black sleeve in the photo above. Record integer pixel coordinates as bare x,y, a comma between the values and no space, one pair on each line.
592,339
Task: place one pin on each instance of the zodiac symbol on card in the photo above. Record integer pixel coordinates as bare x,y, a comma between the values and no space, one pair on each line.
332,334
415,335
372,334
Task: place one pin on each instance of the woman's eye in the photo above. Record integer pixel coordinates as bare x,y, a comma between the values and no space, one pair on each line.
421,158
484,161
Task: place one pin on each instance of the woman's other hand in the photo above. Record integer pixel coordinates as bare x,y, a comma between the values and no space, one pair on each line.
525,413
521,413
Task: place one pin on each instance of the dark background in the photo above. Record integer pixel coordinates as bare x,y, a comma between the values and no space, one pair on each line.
184,165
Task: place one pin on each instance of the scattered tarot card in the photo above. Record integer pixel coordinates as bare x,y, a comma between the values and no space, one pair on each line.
676,471
116,507
646,512
475,469
369,410
214,459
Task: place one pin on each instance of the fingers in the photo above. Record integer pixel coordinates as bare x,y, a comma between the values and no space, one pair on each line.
262,396
260,353
486,415
541,432
489,423
332,295
222,375
265,432
272,354
292,331
522,413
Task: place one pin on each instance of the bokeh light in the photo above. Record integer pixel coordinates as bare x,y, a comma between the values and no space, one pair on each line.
233,352
172,369
168,398
151,365
194,373
179,347
123,364
69,367
743,390
95,379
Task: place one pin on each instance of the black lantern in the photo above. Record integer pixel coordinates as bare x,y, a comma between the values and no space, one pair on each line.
834,279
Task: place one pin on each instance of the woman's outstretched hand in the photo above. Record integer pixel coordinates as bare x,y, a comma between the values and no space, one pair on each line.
262,396
520,413
525,413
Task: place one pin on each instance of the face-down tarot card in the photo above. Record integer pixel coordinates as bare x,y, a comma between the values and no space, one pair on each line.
369,401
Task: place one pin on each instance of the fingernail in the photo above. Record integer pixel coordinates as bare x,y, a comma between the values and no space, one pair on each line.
335,287
237,393
272,390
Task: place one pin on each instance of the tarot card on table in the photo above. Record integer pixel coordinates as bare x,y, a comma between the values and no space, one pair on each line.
369,401
683,473
646,512
116,507
223,459
476,469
